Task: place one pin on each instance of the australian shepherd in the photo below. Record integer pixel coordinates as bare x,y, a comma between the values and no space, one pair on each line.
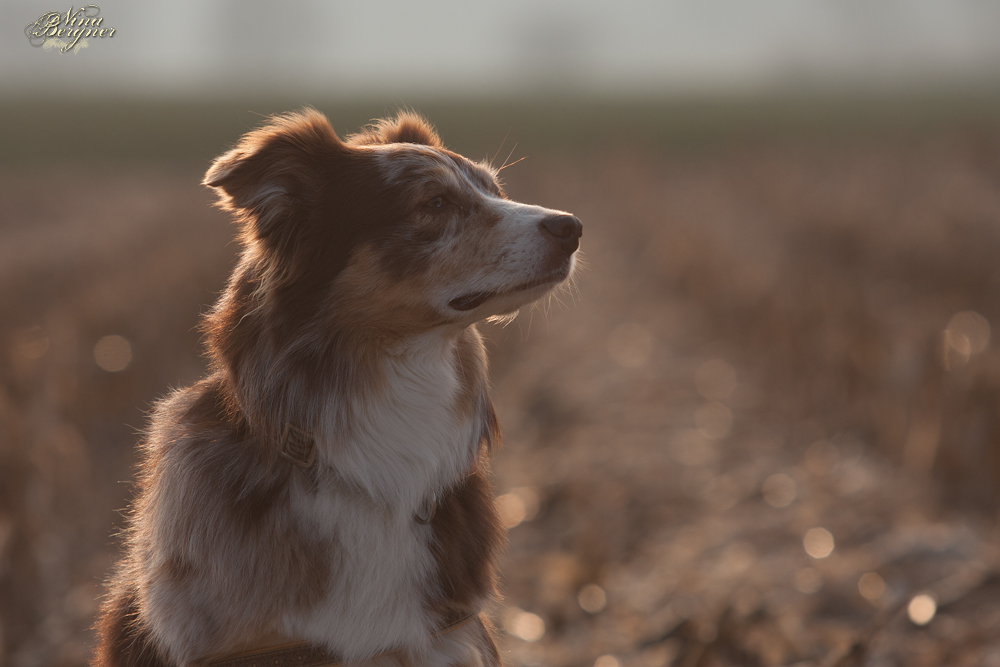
322,495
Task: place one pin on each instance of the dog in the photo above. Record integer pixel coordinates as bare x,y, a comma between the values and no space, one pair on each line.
323,490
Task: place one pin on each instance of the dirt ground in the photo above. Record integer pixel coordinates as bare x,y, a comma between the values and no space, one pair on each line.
763,428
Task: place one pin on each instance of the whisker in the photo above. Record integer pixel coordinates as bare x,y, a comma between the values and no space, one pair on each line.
513,148
503,320
500,147
512,163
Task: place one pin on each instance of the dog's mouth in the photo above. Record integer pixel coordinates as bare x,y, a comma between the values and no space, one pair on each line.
473,300
470,301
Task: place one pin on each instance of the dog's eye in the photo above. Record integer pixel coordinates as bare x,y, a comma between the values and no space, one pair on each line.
437,202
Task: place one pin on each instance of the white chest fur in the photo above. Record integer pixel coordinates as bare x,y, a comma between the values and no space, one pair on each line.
396,453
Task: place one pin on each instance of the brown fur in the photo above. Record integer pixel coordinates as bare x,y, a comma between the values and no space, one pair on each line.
405,128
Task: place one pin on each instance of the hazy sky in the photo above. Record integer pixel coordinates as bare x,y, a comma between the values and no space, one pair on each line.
509,47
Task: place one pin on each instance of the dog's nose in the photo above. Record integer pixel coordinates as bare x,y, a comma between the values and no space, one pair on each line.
565,229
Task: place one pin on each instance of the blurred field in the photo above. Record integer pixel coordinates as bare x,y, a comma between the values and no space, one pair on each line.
783,326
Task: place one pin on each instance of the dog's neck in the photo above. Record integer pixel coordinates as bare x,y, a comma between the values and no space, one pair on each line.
406,438
398,418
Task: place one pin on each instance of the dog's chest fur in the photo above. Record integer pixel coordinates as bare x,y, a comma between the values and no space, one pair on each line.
410,438
396,458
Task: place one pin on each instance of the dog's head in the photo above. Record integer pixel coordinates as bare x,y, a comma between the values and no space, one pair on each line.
388,228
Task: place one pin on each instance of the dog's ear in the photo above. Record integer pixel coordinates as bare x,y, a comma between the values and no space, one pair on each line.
270,174
407,128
